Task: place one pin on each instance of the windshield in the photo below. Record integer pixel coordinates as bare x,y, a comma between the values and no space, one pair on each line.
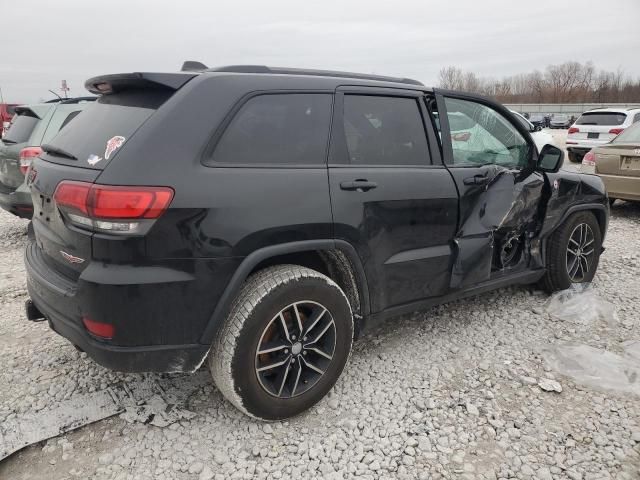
103,127
602,118
21,128
630,135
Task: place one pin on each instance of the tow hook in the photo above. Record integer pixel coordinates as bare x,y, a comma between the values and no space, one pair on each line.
33,314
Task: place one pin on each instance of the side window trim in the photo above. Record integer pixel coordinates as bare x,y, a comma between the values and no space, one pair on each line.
206,158
338,150
447,147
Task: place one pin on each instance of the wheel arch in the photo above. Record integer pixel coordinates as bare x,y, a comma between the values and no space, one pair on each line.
335,258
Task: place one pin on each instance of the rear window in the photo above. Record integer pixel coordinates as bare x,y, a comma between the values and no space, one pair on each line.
21,128
96,136
602,118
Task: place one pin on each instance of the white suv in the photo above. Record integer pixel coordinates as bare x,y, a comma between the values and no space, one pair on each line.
598,127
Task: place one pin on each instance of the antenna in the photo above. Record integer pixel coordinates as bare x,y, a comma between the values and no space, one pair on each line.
56,94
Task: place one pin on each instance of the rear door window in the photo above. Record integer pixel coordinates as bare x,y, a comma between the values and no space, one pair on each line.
384,131
21,127
277,129
103,128
63,115
602,118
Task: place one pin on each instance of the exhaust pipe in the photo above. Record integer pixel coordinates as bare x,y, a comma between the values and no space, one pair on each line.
32,312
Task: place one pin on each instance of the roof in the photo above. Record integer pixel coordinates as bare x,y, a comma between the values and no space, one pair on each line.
613,110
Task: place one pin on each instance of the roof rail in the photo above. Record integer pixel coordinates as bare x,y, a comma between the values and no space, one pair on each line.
316,73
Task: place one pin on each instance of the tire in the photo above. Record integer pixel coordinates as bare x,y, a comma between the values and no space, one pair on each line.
265,305
573,158
560,261
611,201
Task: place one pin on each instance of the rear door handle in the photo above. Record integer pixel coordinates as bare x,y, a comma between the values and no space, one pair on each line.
359,185
476,180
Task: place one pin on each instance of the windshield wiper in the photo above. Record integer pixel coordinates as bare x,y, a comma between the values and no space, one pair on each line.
53,150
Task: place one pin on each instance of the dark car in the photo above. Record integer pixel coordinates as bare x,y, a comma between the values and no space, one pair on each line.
538,120
261,218
33,127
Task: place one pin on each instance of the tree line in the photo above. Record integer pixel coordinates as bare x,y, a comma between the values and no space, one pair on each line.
569,82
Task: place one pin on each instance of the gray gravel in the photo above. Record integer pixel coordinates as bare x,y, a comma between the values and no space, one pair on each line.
457,391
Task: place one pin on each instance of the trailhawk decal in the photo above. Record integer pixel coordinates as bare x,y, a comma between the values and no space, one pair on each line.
113,144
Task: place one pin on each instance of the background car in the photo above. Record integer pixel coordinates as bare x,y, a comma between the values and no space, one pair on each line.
618,164
538,120
7,111
560,121
539,137
598,127
34,125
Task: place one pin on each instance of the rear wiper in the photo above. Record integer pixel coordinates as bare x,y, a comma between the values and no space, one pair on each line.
57,151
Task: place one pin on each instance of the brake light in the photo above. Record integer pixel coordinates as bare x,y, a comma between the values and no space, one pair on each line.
573,130
99,329
616,131
91,205
26,157
589,159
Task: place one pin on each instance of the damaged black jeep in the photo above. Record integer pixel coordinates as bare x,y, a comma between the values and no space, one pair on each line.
260,218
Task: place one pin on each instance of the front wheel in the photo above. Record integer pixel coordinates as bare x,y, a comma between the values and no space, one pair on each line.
573,252
284,343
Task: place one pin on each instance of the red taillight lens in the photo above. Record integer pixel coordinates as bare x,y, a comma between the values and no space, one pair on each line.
99,329
128,202
73,195
589,158
616,131
108,201
26,157
574,130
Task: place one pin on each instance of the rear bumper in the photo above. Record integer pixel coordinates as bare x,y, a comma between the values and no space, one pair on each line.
17,202
61,302
624,188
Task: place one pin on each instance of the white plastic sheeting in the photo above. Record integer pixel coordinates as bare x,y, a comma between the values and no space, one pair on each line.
597,368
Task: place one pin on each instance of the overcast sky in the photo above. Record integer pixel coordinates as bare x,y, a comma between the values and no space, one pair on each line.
47,41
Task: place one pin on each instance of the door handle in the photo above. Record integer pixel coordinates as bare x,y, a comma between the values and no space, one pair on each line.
360,185
476,180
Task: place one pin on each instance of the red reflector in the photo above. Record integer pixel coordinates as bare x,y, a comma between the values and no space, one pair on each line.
616,131
26,157
99,329
573,130
108,201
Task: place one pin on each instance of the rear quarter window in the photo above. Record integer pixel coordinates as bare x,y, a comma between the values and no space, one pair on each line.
602,118
277,129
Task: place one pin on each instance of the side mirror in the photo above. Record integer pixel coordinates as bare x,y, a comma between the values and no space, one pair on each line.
550,159
537,128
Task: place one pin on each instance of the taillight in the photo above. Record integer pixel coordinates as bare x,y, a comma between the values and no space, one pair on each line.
589,159
26,157
97,206
99,329
573,130
616,131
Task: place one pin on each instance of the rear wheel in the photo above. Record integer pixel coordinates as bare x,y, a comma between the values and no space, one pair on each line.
573,252
284,343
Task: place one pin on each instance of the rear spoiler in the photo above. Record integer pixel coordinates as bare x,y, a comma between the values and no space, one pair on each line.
107,84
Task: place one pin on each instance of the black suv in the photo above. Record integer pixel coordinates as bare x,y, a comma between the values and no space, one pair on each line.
261,218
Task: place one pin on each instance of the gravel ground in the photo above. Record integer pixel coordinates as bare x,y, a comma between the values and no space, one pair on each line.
457,391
